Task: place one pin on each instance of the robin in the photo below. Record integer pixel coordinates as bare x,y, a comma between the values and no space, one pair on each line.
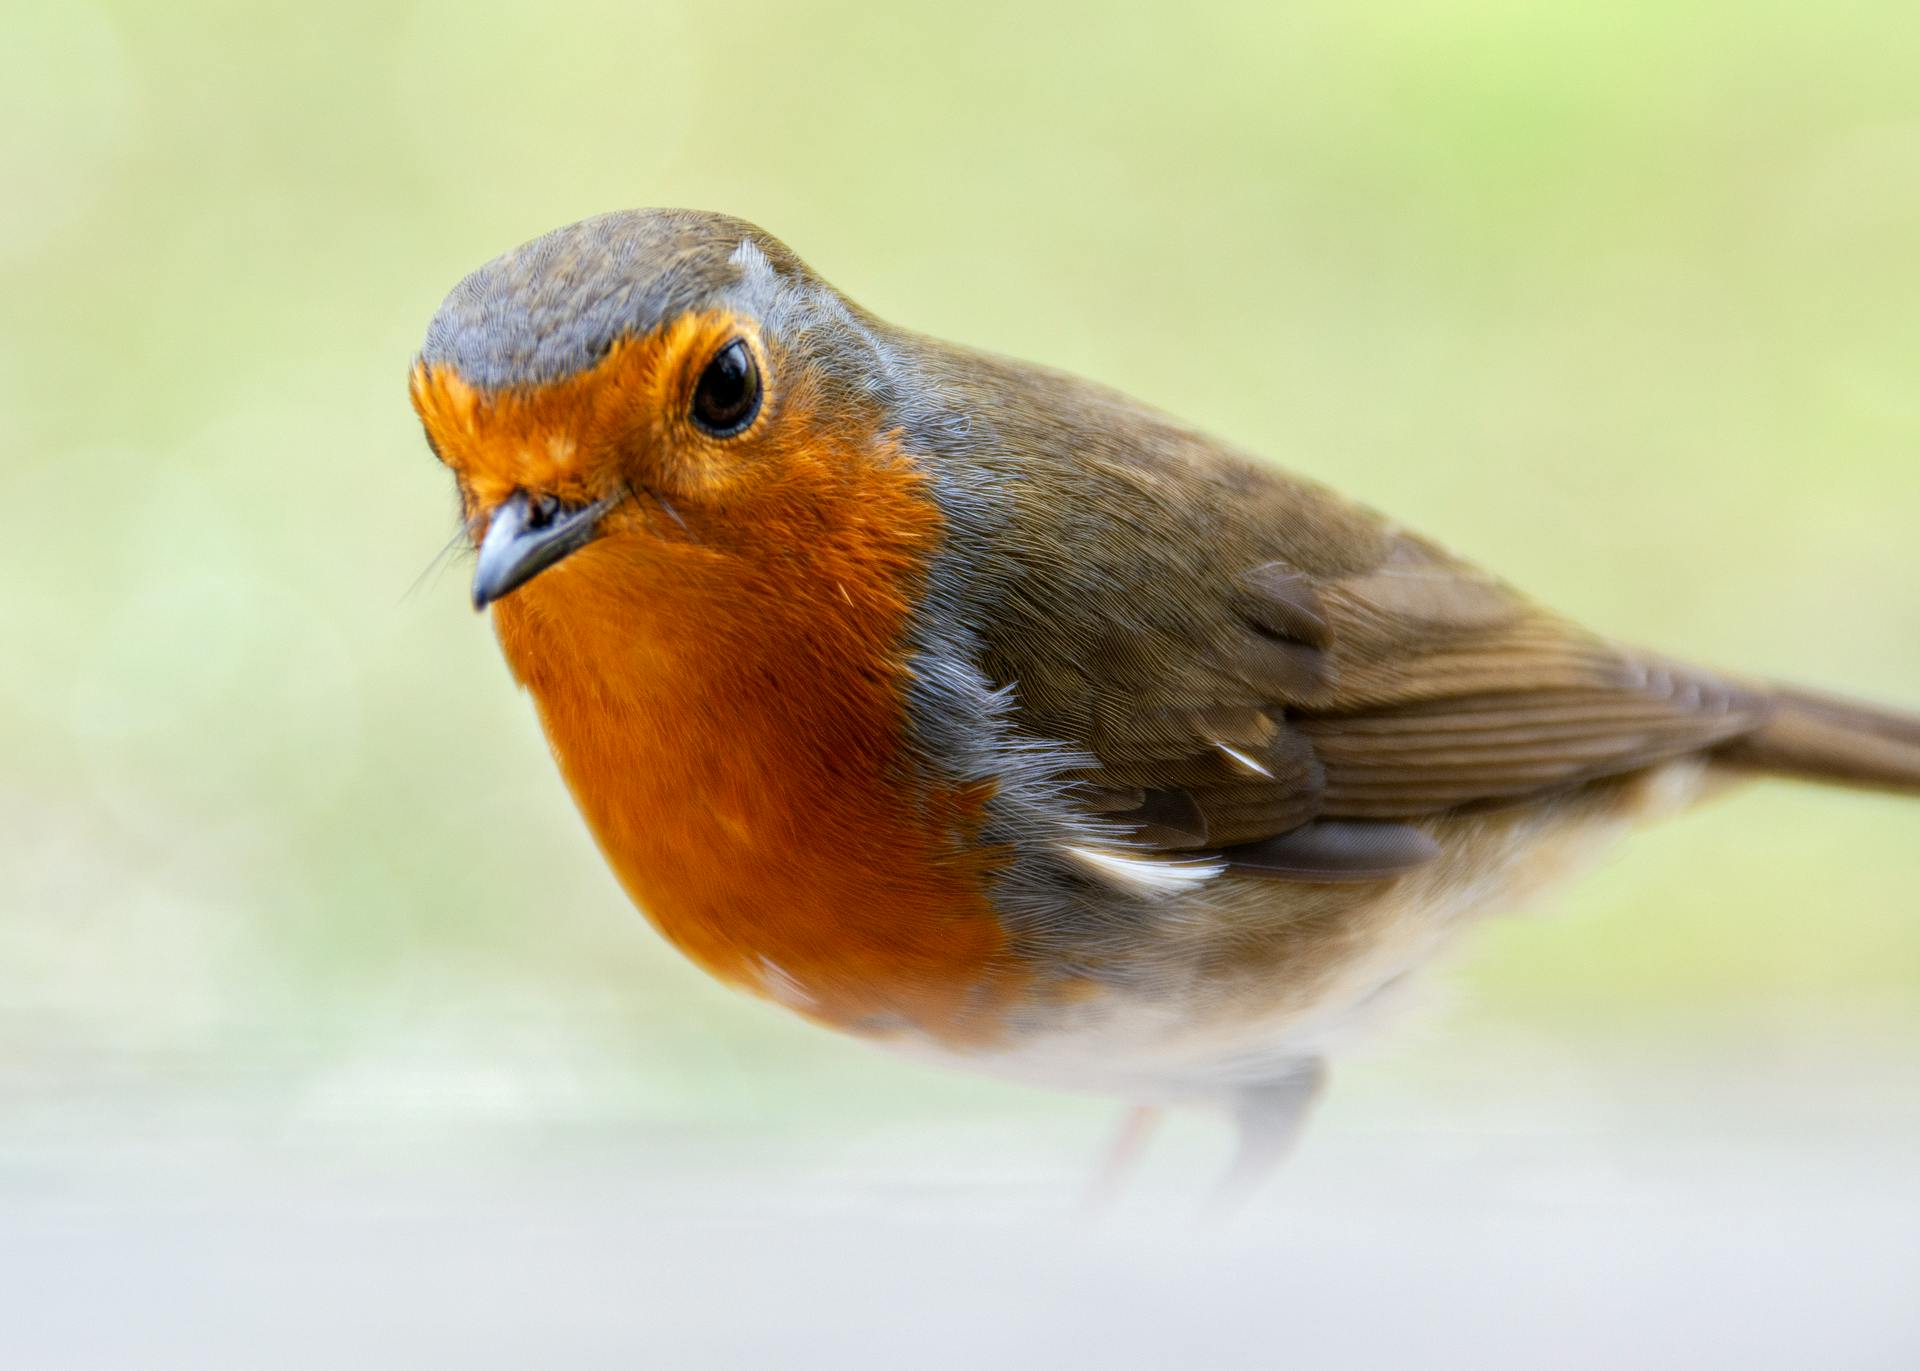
974,709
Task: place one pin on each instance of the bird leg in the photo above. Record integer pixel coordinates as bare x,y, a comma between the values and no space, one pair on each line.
1123,1155
1270,1116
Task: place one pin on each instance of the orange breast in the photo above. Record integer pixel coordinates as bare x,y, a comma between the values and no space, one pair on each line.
729,713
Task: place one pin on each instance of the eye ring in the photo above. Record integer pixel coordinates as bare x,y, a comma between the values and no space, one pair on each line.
726,399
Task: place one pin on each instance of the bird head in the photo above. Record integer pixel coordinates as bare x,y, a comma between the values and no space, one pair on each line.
637,379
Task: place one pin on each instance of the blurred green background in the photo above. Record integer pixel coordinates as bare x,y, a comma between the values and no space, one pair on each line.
1619,300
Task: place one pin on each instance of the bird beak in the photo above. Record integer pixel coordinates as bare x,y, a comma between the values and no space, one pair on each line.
527,535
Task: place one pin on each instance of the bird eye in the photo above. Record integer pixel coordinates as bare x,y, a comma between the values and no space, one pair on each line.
728,395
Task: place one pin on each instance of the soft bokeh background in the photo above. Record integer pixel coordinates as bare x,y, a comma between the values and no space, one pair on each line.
325,1036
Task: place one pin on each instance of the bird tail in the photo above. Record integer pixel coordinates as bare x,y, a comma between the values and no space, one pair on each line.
1820,738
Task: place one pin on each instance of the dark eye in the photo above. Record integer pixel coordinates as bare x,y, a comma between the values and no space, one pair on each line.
728,395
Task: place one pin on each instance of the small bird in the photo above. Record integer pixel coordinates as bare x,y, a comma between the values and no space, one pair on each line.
977,710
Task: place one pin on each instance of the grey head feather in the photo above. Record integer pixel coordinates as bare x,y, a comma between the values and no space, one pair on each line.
551,308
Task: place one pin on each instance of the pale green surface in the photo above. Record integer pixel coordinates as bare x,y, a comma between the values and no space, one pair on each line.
1618,300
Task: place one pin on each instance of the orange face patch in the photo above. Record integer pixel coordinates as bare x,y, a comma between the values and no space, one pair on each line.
625,419
724,689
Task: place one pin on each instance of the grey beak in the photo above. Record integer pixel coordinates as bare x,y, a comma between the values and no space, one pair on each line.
525,537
